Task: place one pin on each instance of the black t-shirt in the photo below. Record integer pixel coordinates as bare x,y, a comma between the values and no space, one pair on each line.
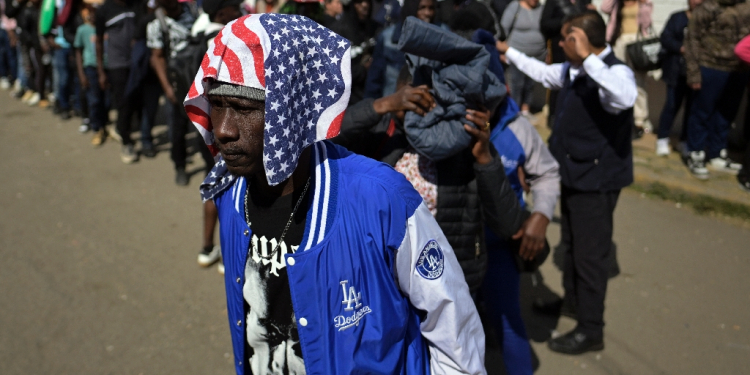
272,342
117,20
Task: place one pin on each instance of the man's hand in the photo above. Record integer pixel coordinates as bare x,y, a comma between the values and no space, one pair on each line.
480,143
407,98
502,47
695,86
84,82
583,47
532,234
103,82
169,94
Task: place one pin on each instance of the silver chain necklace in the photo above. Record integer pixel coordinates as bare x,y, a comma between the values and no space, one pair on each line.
288,223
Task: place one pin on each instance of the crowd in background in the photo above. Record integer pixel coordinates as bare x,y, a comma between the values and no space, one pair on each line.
82,58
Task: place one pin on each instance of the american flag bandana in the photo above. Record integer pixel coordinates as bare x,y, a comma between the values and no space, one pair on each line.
305,71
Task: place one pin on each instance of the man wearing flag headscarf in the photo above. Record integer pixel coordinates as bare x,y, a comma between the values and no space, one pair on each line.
333,263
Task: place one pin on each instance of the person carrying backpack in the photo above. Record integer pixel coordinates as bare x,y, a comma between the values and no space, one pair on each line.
175,58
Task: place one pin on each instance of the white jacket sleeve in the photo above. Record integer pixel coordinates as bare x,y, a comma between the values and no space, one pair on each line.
429,274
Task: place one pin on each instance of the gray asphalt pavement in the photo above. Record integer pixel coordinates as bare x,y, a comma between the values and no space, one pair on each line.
98,272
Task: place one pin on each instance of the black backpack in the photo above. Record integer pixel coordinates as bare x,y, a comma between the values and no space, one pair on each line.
182,67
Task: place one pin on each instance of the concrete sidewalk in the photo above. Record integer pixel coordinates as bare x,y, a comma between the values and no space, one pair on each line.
670,172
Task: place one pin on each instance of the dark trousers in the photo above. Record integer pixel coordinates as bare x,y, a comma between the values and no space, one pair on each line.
676,94
8,58
29,70
41,65
713,109
587,225
95,100
151,91
126,105
180,126
66,83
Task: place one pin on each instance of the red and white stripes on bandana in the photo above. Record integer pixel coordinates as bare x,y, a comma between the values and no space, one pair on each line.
304,69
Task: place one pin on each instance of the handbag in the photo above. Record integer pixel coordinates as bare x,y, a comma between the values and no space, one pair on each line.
644,53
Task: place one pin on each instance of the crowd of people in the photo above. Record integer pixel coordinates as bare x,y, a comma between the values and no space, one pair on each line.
440,91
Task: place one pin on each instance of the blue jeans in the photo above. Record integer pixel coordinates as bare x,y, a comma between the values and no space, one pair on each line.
676,94
501,291
19,67
95,99
8,58
64,72
713,109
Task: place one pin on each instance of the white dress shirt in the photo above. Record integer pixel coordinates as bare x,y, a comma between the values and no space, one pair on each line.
617,89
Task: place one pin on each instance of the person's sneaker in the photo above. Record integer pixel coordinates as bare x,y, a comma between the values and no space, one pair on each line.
18,94
65,115
662,147
696,163
115,135
44,103
27,95
724,163
4,83
209,255
637,132
181,179
17,86
33,99
220,267
83,128
744,181
98,137
128,155
148,151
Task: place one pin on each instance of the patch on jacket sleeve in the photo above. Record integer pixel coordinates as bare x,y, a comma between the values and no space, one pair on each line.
431,261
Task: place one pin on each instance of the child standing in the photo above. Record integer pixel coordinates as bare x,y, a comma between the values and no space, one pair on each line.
87,72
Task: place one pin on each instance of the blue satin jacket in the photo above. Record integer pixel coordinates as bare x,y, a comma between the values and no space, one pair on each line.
367,230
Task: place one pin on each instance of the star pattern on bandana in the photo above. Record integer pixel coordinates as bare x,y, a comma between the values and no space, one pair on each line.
304,77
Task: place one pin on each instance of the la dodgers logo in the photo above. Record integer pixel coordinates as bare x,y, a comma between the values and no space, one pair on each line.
353,297
431,261
352,300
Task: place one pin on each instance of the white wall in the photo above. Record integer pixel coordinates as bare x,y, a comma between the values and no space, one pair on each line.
662,10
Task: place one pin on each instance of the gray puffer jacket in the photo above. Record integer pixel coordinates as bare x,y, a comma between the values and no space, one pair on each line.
456,71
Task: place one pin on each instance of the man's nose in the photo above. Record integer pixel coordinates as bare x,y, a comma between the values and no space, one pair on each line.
225,129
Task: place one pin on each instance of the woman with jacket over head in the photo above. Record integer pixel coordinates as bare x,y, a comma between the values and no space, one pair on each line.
627,19
674,75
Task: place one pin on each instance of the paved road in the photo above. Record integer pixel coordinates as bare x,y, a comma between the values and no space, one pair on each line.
98,272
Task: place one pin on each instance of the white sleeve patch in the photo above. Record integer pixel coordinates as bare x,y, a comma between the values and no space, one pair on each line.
429,274
431,261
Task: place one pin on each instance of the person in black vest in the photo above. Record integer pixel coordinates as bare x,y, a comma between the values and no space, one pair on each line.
591,141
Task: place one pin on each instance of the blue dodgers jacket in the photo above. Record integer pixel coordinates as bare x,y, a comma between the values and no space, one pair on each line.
376,288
